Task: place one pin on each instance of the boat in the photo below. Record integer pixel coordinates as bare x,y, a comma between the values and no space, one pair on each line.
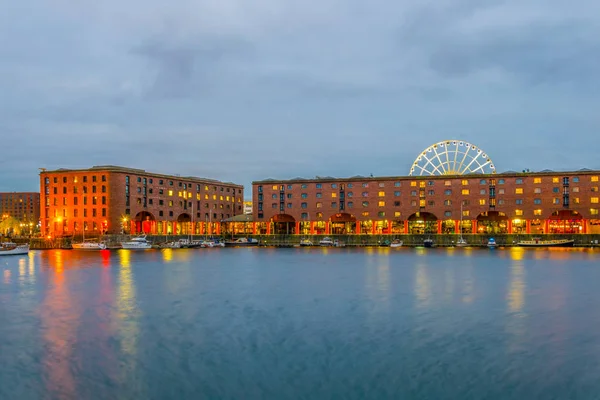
211,243
396,243
492,243
326,241
242,242
461,242
89,245
428,242
137,243
13,249
537,242
306,243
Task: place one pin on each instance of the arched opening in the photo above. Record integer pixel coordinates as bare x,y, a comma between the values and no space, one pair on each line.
283,224
492,222
342,224
422,223
143,222
184,224
565,221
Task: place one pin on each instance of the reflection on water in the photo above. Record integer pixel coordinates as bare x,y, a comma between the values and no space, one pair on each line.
300,323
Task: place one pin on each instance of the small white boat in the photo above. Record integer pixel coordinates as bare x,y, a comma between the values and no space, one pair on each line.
137,243
13,249
212,243
396,243
326,241
242,242
89,245
492,243
306,243
537,242
461,242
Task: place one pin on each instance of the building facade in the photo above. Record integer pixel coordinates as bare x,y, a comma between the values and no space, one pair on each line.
114,200
24,207
511,203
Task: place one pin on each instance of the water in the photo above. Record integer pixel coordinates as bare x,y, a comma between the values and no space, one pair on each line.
301,324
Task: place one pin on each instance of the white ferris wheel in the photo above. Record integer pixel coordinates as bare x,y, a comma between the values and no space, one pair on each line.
452,157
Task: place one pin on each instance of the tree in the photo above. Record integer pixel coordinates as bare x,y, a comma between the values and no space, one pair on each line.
10,225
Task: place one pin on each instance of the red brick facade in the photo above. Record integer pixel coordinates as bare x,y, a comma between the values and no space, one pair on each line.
23,206
124,200
544,202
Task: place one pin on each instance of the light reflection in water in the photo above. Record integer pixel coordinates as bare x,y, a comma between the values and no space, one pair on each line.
422,285
515,297
126,305
167,255
31,266
469,285
59,317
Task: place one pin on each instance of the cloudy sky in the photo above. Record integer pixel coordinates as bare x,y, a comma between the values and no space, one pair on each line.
246,90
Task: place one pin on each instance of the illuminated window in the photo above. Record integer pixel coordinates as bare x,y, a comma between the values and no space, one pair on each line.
519,191
319,215
500,191
214,196
274,187
170,193
465,213
519,212
447,183
396,213
381,194
594,188
333,195
465,191
170,203
537,190
319,205
555,179
422,184
206,196
482,202
221,198
447,202
594,211
537,212
537,180
381,204
365,213
594,200
575,200
413,183
227,198
556,200
575,190
464,182
422,203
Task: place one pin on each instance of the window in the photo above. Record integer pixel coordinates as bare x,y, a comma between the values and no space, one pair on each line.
350,204
381,214
537,190
333,204
482,191
519,191
334,186
413,184
304,195
575,190
170,193
518,212
556,200
319,205
319,186
500,181
500,191
448,192
555,190
422,184
413,193
333,195
500,202
396,194
319,215
575,179
593,211
555,179
519,181
289,196
447,202
482,182
594,188
365,184
397,213
365,214
381,184
413,203
594,200
289,205
465,213
273,196
396,184
447,183
304,205
350,194
431,192
170,203
519,201
482,202
319,195
288,186
537,180
381,194
537,201
537,212
381,204
464,182
273,205
447,213
575,200
365,204
422,203
396,204
304,186
365,194
465,192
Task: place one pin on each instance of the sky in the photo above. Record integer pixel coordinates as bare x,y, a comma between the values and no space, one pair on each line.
241,91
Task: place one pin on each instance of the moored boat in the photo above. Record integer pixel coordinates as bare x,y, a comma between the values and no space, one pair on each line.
306,243
326,241
461,242
396,243
13,249
492,243
242,242
537,242
137,243
89,245
428,242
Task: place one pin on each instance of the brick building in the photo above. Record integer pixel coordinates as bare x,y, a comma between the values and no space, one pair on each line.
111,199
23,206
511,202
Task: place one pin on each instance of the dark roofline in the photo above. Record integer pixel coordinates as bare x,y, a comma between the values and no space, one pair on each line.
428,177
116,168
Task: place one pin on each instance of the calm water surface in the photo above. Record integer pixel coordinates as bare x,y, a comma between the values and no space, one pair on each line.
301,324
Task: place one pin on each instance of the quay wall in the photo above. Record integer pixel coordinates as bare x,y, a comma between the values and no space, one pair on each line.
581,240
